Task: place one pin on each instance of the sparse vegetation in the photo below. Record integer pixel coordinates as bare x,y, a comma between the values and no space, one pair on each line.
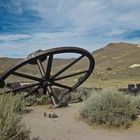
33,100
11,125
85,93
63,99
117,56
111,108
136,103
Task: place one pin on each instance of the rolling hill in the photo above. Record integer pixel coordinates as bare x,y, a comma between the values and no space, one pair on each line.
116,55
117,64
7,62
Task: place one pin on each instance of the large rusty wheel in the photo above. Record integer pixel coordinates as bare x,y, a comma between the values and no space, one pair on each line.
48,79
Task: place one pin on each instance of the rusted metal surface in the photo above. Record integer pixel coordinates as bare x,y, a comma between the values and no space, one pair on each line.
46,81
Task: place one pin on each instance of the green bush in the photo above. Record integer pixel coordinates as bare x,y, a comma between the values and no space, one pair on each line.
110,107
86,93
136,103
45,99
11,126
33,100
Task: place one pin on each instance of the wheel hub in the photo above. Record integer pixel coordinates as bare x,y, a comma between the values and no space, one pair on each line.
48,81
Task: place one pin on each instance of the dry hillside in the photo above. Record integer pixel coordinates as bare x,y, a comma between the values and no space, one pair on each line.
116,61
116,55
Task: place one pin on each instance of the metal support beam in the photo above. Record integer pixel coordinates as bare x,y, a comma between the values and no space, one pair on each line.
53,97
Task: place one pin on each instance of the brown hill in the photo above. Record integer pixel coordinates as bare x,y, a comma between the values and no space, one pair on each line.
116,63
7,62
116,55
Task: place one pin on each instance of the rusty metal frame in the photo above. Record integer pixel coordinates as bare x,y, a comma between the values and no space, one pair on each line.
47,80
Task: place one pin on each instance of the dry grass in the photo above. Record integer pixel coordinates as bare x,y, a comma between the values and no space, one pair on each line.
112,66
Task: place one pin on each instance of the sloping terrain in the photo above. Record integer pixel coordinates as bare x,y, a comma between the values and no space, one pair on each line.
6,62
116,55
28,69
116,63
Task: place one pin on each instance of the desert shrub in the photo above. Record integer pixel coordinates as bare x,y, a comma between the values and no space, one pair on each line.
33,100
11,126
136,103
85,93
109,107
43,100
75,97
63,99
68,98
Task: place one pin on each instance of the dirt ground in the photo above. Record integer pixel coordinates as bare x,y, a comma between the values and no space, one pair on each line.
68,126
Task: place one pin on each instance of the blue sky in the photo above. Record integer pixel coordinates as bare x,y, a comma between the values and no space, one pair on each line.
29,25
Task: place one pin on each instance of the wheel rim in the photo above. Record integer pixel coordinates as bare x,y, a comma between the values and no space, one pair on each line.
46,78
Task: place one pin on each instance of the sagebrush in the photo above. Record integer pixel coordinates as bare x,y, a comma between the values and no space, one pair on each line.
111,108
11,125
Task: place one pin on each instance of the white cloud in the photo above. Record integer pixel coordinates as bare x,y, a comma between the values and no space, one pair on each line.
86,15
82,16
86,23
115,31
54,36
13,37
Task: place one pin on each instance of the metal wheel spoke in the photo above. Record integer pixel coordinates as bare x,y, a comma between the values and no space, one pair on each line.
31,92
62,86
49,66
41,68
26,76
68,66
24,87
47,80
70,75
